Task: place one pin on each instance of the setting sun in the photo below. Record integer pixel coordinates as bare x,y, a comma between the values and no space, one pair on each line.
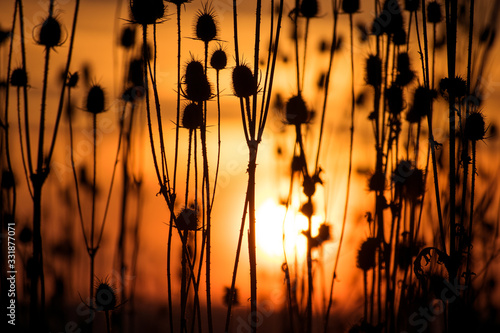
269,228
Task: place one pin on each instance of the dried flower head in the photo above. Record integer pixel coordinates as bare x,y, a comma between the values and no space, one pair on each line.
475,127
456,87
19,78
307,209
187,220
434,14
206,27
296,111
127,39
399,37
367,254
72,80
350,6
147,11
50,33
408,181
377,182
218,60
192,117
95,99
309,8
405,74
243,82
412,5
105,297
422,104
394,98
373,70
198,88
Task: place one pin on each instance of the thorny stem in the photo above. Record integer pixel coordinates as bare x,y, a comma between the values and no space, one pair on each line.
471,218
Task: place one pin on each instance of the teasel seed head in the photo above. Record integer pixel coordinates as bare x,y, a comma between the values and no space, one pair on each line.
456,87
296,111
399,37
373,70
408,181
434,14
127,39
95,99
206,27
412,5
198,88
105,297
309,186
376,182
367,254
307,209
350,6
394,97
192,117
19,78
147,11
218,60
309,8
72,80
50,33
405,74
187,220
422,102
475,127
243,82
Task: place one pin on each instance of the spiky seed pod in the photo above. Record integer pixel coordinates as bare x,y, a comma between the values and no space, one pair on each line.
367,254
192,117
475,127
309,186
389,20
324,232
198,88
187,220
19,78
307,209
50,33
218,60
399,37
422,102
243,81
456,87
394,97
412,5
105,297
434,14
309,8
350,6
373,71
95,100
296,111
127,39
405,74
408,181
147,11
206,27
377,182
72,80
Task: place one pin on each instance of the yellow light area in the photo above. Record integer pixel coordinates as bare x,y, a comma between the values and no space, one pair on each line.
269,231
